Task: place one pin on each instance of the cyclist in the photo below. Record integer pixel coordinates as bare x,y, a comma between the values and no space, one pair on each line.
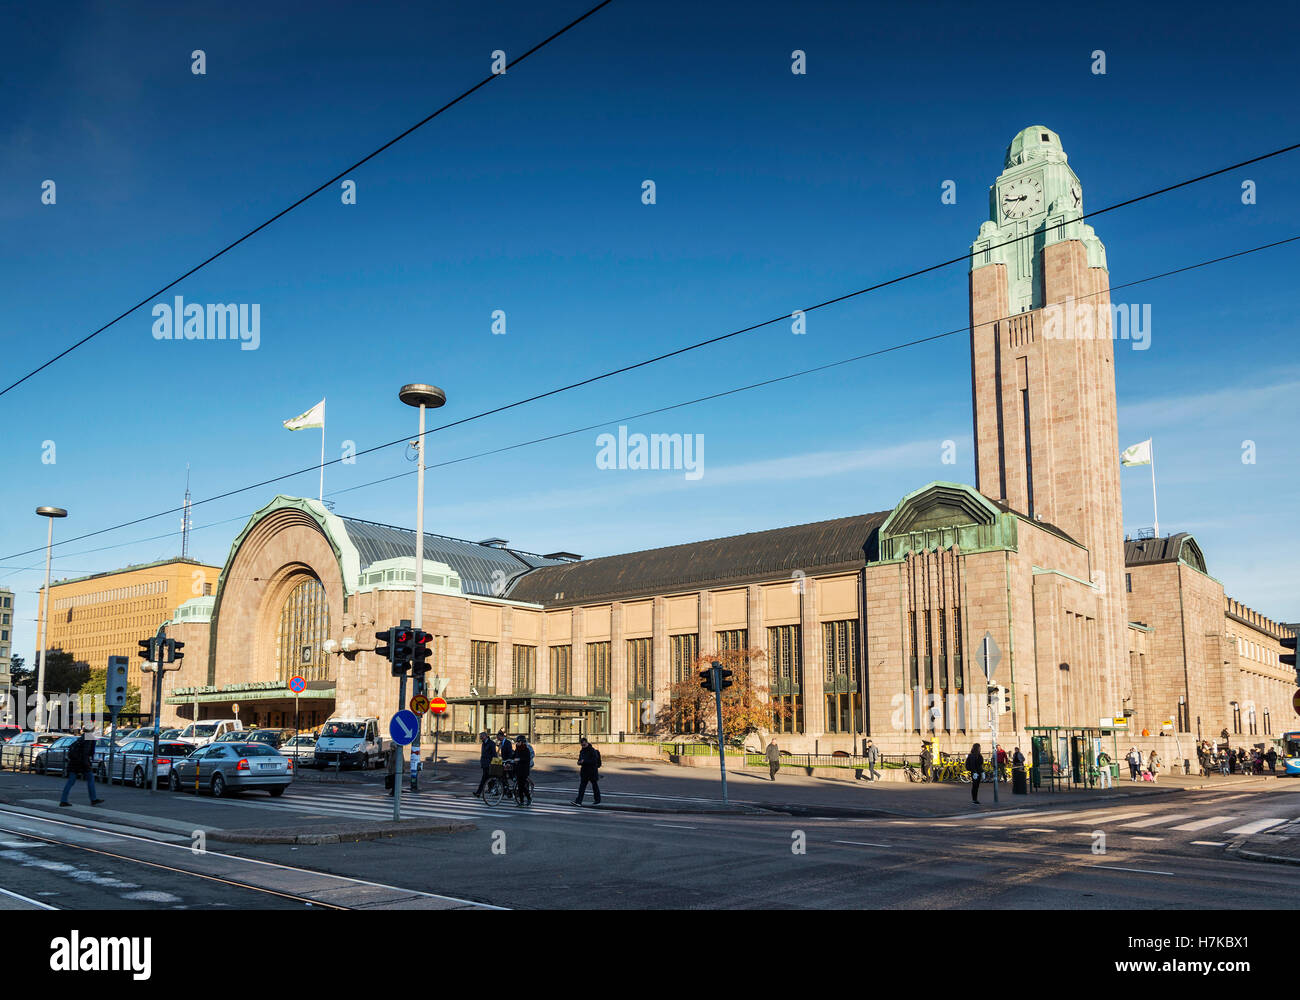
523,765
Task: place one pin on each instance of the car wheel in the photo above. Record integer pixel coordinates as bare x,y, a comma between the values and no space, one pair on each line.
218,786
138,777
276,792
175,782
40,766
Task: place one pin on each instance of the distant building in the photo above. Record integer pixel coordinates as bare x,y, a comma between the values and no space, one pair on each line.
105,614
6,638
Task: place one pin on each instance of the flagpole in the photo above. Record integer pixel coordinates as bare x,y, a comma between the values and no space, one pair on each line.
1155,511
321,495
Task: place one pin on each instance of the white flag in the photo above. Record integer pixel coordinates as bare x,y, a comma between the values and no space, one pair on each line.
1138,454
315,417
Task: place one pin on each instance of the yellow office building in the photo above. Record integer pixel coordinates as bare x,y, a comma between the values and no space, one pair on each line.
106,614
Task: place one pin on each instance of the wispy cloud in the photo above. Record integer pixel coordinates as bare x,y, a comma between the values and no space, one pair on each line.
1212,405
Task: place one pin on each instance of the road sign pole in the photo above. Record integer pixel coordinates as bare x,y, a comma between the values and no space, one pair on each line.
437,732
716,671
401,759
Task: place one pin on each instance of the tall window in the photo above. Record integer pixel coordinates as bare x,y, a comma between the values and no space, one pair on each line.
598,668
640,685
732,638
786,678
562,670
483,666
304,626
843,699
958,675
686,650
524,675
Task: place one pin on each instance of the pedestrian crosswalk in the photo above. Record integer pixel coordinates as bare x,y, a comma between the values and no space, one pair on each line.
366,804
1138,819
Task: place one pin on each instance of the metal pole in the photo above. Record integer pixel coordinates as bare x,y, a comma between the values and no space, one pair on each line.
401,759
437,733
157,706
418,684
45,619
716,671
112,742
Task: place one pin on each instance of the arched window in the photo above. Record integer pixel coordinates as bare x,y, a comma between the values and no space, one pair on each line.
304,626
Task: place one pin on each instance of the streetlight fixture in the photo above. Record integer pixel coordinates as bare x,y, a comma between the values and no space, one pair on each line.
423,397
51,513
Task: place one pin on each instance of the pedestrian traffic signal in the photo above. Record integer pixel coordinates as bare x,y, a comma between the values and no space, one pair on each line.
726,681
383,643
420,653
1289,642
706,680
403,650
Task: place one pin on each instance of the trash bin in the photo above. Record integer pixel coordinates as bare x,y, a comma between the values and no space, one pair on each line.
1187,766
1019,786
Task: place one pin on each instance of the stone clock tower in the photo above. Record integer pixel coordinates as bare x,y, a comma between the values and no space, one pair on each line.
1043,382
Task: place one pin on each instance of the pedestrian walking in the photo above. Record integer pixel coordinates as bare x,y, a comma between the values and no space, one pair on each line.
1225,763
1134,763
773,759
390,767
523,765
487,751
505,748
588,772
80,756
1271,757
1153,765
873,755
975,765
926,760
1103,771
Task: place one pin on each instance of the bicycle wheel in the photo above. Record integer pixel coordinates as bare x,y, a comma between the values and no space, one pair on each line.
964,777
493,791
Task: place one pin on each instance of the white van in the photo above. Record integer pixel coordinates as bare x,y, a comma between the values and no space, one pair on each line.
350,742
200,734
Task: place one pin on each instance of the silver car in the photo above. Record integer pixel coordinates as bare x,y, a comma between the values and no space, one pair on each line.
131,761
229,768
301,750
53,759
19,754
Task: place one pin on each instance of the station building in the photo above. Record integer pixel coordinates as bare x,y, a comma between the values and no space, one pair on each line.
870,624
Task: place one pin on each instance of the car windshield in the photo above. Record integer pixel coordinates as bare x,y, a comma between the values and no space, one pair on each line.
202,730
344,730
257,750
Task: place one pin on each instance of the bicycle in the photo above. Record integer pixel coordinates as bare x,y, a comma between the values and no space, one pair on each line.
505,784
911,770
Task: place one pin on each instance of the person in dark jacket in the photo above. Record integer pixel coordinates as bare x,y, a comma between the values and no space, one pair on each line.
390,767
975,765
523,765
503,743
588,772
486,751
1271,756
80,756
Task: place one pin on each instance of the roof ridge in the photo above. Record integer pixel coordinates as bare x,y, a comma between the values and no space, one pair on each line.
451,538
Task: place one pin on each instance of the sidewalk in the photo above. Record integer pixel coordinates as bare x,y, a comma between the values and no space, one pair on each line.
1281,845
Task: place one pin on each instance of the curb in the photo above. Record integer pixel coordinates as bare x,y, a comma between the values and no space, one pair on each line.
373,831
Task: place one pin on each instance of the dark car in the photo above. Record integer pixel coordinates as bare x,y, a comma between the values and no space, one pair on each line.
274,738
8,731
53,759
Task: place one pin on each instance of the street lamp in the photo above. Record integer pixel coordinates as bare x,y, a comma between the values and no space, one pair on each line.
51,513
422,396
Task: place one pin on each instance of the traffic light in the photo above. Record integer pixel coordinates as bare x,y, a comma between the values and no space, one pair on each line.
174,654
1289,642
420,653
403,650
726,679
145,652
1006,699
383,644
706,680
115,686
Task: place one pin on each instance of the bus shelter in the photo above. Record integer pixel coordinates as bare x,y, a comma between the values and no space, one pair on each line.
1067,756
546,718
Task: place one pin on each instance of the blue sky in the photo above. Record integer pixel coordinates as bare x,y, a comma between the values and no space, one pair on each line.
774,191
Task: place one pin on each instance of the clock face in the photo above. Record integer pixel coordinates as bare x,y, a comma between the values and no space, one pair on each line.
1022,198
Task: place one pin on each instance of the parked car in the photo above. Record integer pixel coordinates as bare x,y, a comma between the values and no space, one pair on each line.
169,734
202,733
19,754
301,749
229,768
8,731
351,742
137,734
273,738
53,758
131,761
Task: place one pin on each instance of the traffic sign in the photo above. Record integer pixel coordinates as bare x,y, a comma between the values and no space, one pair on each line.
439,705
988,655
419,704
1295,702
404,727
297,685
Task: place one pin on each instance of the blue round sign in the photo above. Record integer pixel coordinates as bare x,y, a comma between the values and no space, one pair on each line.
297,685
404,727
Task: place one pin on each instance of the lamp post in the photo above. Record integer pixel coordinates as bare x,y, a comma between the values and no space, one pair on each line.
51,513
423,397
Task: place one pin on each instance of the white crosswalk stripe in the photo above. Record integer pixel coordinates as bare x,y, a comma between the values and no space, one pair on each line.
378,806
1203,824
1257,826
1154,821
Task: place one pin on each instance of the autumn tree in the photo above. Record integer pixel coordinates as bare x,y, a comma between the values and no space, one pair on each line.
746,708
